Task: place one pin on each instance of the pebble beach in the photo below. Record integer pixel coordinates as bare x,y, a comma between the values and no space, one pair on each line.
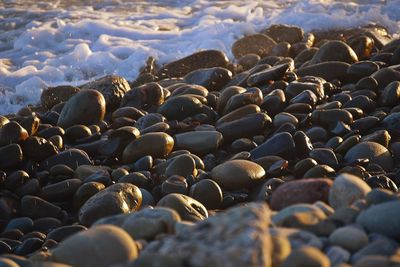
281,149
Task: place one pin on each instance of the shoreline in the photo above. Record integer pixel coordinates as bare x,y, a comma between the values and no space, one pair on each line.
287,155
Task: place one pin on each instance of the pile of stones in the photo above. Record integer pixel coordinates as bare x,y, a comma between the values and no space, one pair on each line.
288,156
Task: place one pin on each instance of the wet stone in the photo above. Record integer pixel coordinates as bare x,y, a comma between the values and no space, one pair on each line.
86,107
12,132
214,79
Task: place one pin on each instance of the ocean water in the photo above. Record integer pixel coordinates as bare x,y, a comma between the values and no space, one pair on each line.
47,43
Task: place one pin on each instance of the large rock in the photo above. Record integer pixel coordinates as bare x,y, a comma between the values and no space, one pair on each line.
237,174
198,60
376,153
237,237
346,189
112,87
100,246
86,107
382,218
116,199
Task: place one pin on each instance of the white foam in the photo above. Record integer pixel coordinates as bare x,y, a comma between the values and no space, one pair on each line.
46,43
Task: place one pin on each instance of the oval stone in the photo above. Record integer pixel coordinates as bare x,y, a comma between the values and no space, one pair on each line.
86,107
101,246
346,189
116,199
382,218
237,174
199,142
376,153
157,145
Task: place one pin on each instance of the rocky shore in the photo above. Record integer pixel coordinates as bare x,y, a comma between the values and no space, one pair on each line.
286,156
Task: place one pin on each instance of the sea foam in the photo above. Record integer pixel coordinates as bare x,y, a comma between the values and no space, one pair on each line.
51,43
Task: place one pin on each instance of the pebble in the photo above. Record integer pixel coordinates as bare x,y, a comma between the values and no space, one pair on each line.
199,142
381,218
280,144
86,107
148,223
102,245
202,59
349,238
188,208
259,44
302,191
52,96
12,132
112,87
115,199
237,174
306,256
208,193
346,189
335,51
374,152
157,145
